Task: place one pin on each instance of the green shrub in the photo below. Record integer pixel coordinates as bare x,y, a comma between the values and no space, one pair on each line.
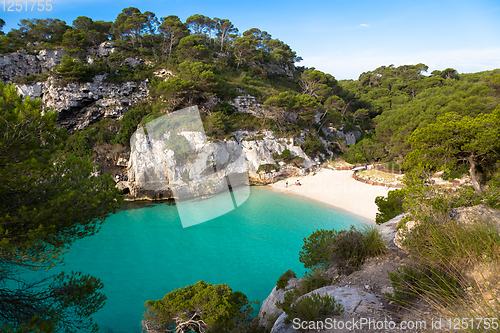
215,308
455,174
347,249
82,141
225,108
437,245
286,155
313,308
124,73
267,168
390,206
316,248
314,279
283,279
32,78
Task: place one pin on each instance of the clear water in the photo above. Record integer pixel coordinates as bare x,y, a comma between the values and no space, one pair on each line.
142,254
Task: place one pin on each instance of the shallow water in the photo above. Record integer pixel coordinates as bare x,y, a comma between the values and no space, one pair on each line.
141,254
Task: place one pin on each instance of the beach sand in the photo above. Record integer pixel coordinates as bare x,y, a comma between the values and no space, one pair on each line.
338,189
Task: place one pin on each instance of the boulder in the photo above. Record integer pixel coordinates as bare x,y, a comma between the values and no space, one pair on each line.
105,49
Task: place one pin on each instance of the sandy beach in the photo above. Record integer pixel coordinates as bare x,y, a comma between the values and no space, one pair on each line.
338,189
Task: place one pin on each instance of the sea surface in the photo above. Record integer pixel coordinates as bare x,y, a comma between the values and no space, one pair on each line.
143,252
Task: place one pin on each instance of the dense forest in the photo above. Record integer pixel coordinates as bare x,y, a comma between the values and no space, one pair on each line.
423,121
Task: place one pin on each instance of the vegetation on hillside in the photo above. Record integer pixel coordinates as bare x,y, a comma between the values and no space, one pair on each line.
49,198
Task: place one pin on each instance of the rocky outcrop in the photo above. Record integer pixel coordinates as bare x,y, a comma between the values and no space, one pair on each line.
395,238
349,137
247,104
243,153
402,233
260,147
356,302
21,63
269,312
388,231
467,215
80,104
154,166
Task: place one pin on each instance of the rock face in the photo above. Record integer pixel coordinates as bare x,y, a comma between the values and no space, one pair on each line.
481,212
152,165
21,63
245,152
269,312
354,300
80,104
259,148
400,236
349,137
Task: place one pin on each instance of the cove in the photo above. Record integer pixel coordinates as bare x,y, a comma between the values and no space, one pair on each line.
143,253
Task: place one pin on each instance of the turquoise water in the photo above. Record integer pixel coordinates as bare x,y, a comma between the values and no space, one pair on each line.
142,254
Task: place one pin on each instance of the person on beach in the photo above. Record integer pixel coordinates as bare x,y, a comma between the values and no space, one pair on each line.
286,183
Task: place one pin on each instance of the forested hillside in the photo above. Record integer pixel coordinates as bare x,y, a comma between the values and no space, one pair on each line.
209,62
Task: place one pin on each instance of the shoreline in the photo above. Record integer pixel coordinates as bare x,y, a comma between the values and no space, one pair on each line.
337,189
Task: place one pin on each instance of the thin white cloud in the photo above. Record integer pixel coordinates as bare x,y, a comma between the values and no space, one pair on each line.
364,25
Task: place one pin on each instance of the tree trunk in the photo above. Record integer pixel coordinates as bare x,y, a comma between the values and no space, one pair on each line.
472,172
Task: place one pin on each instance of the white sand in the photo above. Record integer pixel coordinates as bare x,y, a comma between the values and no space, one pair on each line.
337,189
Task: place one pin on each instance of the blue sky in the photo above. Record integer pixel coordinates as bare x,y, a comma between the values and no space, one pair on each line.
340,37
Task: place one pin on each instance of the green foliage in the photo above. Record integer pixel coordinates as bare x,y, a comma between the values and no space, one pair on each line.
453,139
283,279
48,200
81,142
218,124
312,280
400,100
129,123
123,74
29,79
316,248
314,308
267,168
347,249
412,282
312,146
317,84
202,306
390,206
70,69
225,108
